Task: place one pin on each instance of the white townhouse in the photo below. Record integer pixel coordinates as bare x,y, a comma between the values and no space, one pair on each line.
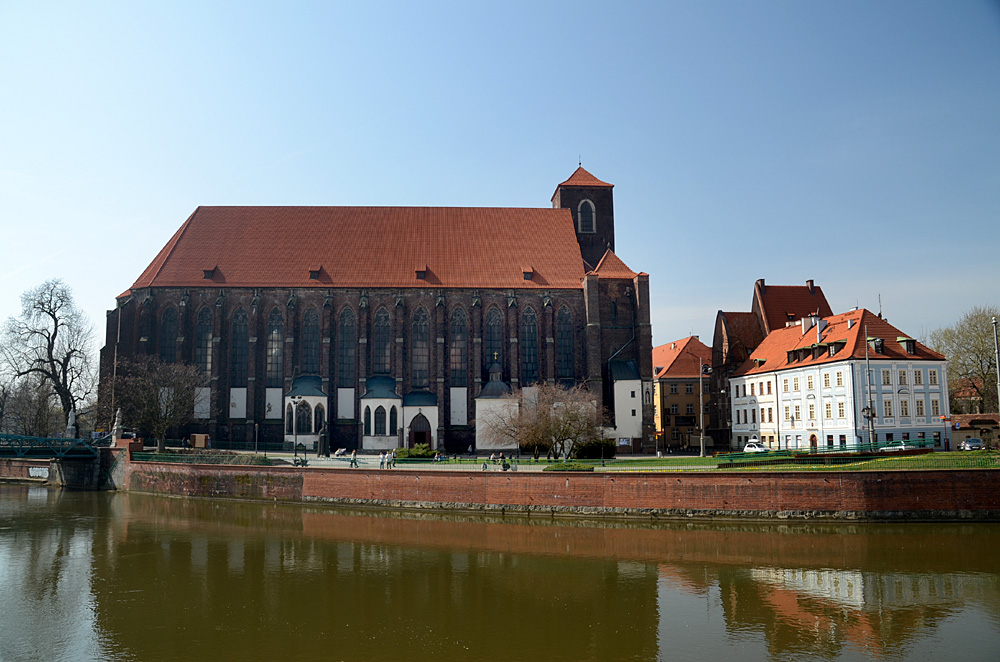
809,386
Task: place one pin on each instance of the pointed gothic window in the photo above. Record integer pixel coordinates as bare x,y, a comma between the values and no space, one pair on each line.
309,343
168,336
529,348
585,218
381,345
564,344
420,357
303,418
320,416
458,354
492,340
275,368
393,422
380,420
239,345
203,341
368,421
347,342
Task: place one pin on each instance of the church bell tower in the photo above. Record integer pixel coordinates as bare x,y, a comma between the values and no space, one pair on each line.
592,203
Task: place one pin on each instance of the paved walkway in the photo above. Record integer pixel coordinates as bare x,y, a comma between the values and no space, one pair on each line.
371,462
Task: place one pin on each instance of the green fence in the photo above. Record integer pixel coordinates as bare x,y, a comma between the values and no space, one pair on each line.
203,457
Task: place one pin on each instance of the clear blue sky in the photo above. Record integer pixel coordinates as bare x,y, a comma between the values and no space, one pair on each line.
854,143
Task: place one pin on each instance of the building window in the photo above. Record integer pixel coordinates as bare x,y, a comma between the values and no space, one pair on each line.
787,414
458,352
239,345
812,412
564,345
932,377
809,383
368,421
918,377
887,378
319,414
493,340
420,356
289,420
309,343
798,413
753,416
673,389
381,343
275,368
303,418
784,385
828,410
904,408
902,378
920,408
585,218
795,383
826,380
829,440
935,408
203,341
393,421
769,388
529,348
689,409
770,415
380,421
673,410
887,409
840,378
347,344
840,409
751,388
168,336
689,388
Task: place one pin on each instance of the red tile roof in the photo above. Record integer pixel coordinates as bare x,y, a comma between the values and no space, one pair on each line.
973,421
370,247
781,304
581,177
849,328
611,266
681,358
742,332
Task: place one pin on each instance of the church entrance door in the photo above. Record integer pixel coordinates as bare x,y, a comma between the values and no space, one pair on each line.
420,431
813,442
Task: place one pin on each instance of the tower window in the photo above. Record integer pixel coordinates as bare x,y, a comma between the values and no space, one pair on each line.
585,218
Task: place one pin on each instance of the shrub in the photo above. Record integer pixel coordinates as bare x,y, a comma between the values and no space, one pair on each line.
419,450
569,466
592,450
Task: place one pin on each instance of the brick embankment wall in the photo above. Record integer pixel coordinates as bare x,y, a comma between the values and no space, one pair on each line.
22,469
954,495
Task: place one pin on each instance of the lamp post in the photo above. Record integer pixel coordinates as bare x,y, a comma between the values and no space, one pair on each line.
703,370
296,399
256,430
868,413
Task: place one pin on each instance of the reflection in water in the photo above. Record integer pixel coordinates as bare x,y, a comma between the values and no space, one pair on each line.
123,577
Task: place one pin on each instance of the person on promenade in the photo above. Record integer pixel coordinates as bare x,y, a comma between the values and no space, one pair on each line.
354,459
381,460
393,462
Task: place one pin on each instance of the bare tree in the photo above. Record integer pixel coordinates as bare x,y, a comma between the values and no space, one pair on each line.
29,408
968,345
52,339
156,396
547,417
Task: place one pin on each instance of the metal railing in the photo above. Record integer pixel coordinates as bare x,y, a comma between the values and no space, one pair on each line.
41,447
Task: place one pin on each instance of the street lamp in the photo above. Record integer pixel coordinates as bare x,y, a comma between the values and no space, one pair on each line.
256,430
296,399
868,413
704,370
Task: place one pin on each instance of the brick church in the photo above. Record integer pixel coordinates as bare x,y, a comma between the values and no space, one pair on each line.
382,324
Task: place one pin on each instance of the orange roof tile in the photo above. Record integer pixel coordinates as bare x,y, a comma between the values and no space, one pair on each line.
611,266
370,247
849,328
781,304
581,177
681,358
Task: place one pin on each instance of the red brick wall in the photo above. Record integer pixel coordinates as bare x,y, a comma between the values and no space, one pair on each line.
17,468
913,493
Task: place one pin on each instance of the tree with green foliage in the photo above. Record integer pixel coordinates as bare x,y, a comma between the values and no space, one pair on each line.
156,396
968,346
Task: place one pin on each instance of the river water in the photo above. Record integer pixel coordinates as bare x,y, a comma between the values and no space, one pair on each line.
101,576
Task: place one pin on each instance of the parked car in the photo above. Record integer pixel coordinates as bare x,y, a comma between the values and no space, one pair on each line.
971,444
754,446
894,446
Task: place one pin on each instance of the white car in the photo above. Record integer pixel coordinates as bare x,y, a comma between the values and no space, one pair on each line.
754,446
894,446
971,444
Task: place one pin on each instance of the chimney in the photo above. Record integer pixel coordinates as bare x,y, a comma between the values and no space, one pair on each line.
760,285
850,323
809,284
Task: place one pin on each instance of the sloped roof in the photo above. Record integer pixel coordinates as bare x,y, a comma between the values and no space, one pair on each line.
581,177
307,385
970,421
624,370
681,358
611,266
369,247
781,304
849,328
742,331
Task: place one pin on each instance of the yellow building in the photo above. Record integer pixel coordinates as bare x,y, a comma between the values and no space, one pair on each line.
678,367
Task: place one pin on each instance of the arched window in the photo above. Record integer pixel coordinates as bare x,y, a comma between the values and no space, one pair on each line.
303,418
420,352
529,348
380,421
347,342
381,345
168,336
585,218
320,416
289,420
564,344
239,345
393,421
275,350
203,341
492,340
368,421
309,344
458,353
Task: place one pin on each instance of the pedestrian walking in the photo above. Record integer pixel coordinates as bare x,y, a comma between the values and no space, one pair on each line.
393,458
381,460
354,459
